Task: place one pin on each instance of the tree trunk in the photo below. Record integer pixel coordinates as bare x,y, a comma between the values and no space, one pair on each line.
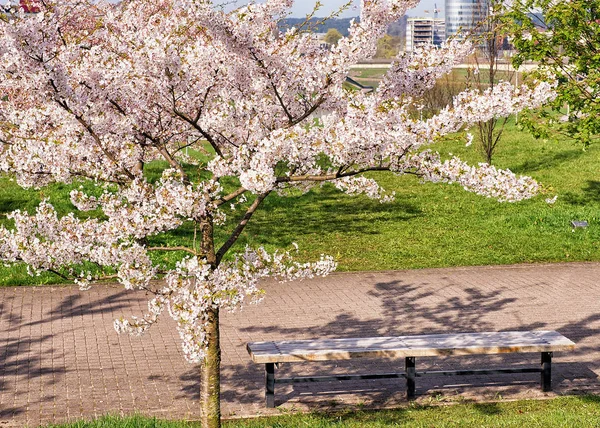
210,369
210,376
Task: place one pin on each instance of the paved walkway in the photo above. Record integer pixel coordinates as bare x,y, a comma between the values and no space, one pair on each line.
60,358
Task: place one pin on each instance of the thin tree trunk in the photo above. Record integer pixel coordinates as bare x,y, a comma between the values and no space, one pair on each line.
210,376
210,369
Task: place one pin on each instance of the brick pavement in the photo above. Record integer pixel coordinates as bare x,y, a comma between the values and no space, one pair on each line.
61,360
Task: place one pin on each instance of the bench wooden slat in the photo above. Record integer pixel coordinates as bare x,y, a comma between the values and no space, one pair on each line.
408,346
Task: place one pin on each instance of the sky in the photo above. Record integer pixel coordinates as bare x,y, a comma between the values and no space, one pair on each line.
302,7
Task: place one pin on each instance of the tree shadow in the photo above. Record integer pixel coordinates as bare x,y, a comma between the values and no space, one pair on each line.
406,310
592,399
488,409
411,308
27,353
76,305
591,194
547,161
385,308
191,384
19,365
456,313
327,214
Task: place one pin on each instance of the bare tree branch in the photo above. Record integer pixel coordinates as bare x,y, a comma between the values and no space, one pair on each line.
91,131
197,127
240,227
329,177
231,196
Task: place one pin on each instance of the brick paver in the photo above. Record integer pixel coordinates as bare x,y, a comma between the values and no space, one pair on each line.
61,360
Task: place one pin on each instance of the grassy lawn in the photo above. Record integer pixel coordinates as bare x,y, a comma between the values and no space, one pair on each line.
433,225
373,76
368,73
561,412
429,225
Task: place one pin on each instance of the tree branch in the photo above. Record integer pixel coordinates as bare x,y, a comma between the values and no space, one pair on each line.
307,112
55,272
231,196
98,141
91,131
291,120
240,227
76,174
165,153
280,99
197,127
328,177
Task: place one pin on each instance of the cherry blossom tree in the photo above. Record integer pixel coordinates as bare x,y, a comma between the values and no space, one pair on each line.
98,93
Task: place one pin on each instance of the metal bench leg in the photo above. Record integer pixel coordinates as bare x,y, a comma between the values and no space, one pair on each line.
270,384
410,363
546,381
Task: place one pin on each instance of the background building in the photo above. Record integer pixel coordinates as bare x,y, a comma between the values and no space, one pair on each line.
421,31
466,14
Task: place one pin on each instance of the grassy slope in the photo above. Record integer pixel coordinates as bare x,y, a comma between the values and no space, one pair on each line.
429,225
433,225
561,412
373,76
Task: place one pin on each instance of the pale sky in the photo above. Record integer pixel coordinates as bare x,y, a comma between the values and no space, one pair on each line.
302,7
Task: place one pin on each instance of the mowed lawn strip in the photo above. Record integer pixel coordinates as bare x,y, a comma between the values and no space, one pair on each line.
581,411
429,225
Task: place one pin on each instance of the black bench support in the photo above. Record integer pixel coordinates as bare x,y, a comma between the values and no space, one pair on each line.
546,380
310,379
270,385
478,372
411,374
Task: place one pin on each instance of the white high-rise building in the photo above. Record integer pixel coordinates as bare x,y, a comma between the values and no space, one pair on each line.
465,14
421,31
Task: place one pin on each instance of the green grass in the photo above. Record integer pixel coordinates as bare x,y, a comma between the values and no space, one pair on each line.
373,76
433,225
581,412
368,73
136,421
429,225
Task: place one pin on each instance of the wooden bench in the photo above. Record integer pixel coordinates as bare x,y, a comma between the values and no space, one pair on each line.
409,347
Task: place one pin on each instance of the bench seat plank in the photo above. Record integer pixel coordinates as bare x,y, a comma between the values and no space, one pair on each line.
408,346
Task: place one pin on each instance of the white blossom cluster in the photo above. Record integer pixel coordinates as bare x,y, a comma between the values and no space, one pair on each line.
485,179
361,184
111,93
194,287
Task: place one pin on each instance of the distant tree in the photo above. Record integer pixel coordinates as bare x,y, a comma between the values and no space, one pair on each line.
487,72
333,36
441,95
564,39
387,47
